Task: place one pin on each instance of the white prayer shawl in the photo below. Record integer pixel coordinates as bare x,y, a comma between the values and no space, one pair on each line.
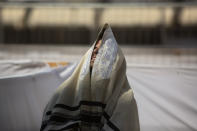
97,100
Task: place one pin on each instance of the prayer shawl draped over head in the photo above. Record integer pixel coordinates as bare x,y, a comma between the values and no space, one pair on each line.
97,100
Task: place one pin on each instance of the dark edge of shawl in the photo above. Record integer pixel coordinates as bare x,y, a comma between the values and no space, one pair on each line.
100,34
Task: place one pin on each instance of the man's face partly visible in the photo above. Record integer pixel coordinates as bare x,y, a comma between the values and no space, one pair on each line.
94,53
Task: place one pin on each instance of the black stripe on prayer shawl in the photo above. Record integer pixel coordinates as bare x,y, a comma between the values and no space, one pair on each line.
109,123
88,103
44,124
74,108
48,113
59,117
74,125
89,118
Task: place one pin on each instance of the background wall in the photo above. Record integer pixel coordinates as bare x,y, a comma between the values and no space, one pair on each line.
149,23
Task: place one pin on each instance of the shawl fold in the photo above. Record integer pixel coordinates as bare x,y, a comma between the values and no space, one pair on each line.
97,100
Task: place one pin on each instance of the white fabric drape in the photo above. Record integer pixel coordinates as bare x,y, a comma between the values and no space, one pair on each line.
24,96
166,98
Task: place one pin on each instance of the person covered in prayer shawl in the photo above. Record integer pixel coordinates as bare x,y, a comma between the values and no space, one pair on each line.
97,96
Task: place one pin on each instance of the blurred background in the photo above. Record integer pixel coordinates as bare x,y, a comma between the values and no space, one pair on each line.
54,30
135,22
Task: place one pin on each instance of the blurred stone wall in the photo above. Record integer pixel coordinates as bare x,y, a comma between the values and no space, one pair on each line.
131,24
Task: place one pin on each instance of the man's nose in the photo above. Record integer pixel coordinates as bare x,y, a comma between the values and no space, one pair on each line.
96,50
